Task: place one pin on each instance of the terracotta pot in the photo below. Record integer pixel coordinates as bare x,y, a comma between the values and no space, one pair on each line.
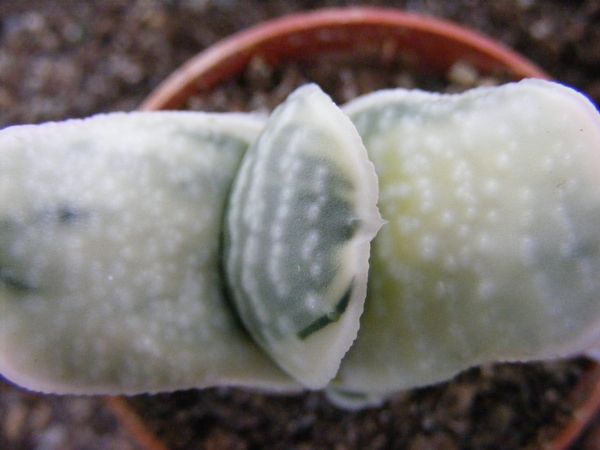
429,46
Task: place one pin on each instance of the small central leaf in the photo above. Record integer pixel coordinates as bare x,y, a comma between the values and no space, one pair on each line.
301,217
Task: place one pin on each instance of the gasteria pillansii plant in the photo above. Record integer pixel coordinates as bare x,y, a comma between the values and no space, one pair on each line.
387,244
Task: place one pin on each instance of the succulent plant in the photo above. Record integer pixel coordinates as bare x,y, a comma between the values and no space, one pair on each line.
148,252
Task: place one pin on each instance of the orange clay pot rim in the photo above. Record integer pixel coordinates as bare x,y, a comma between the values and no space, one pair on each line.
234,53
587,390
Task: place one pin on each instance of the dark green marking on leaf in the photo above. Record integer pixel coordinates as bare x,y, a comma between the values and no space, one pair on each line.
585,250
69,215
13,283
63,215
328,318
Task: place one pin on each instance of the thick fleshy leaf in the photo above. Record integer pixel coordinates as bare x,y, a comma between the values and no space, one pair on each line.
109,255
492,250
301,217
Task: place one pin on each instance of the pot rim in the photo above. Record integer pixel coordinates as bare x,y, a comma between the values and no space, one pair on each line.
289,36
586,398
